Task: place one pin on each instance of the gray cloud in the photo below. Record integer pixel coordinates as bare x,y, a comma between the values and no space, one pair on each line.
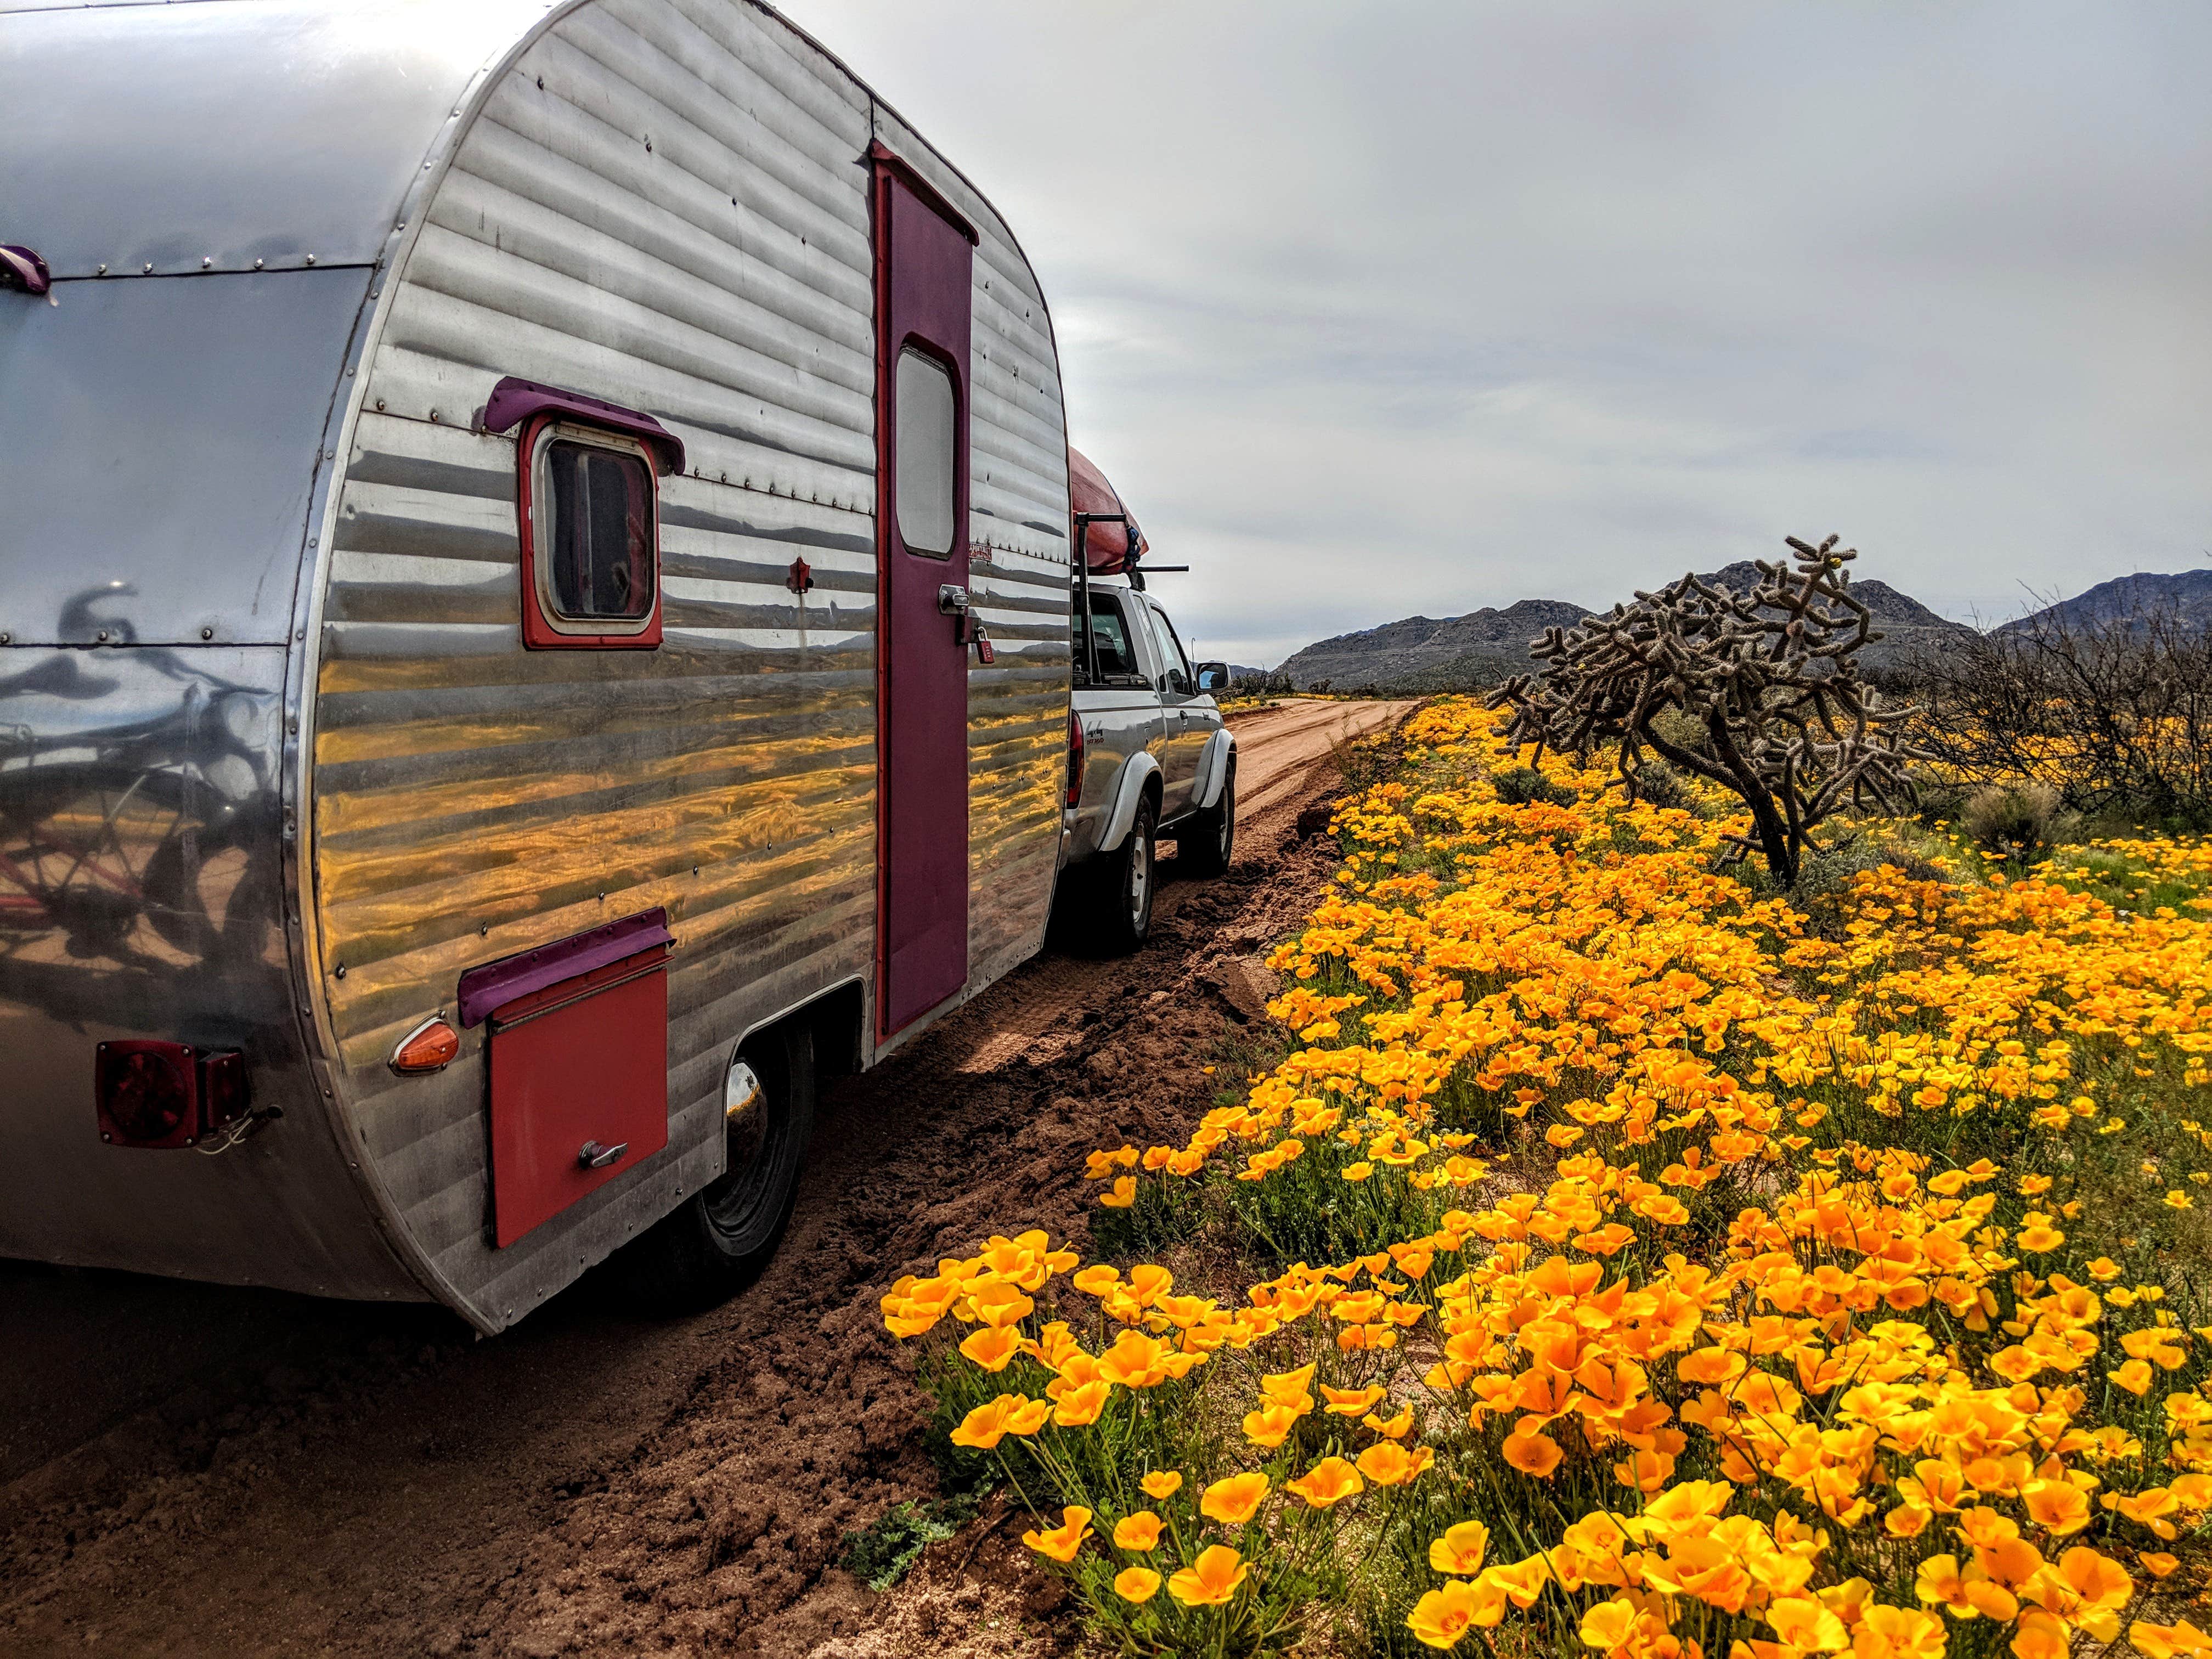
1419,307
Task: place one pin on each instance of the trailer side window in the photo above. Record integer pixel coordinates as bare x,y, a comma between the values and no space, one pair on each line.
927,439
593,541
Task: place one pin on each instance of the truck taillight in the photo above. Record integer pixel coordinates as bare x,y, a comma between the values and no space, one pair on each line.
157,1095
1074,760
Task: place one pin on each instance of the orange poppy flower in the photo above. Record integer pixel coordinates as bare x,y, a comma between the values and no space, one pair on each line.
1136,1584
1138,1531
1461,1549
992,1346
1061,1543
1212,1580
1329,1482
1533,1454
1234,1499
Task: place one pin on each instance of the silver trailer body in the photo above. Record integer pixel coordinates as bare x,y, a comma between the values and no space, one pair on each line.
275,766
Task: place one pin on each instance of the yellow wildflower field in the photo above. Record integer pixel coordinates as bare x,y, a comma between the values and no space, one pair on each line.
1655,1263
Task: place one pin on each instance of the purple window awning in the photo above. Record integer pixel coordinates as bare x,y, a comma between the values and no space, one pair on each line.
515,401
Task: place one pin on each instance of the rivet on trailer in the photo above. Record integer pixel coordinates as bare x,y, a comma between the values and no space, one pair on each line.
447,826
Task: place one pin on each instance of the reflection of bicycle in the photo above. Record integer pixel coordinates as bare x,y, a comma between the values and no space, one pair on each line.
155,826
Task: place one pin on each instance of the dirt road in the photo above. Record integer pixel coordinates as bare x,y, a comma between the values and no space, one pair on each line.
225,1472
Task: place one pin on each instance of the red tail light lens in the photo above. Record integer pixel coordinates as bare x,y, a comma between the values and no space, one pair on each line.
158,1095
146,1096
1074,760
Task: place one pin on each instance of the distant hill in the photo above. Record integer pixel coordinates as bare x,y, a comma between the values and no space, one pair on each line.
1423,653
2186,596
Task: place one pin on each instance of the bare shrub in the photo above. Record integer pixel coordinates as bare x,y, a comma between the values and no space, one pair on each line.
1770,678
2012,823
2115,716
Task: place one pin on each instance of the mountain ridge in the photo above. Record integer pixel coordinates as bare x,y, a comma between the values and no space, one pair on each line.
1433,653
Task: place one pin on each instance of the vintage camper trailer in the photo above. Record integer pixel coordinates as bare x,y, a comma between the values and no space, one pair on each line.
534,566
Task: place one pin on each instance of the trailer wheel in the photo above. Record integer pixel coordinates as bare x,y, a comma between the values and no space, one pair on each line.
718,1241
1122,901
1208,839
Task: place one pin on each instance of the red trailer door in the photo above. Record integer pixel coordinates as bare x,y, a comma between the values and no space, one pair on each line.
923,270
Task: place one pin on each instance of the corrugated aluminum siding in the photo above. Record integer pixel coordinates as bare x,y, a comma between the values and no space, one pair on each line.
662,204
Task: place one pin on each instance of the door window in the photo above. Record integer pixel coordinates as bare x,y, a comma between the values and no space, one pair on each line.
925,437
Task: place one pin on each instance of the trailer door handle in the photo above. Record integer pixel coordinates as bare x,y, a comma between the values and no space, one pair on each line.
592,1156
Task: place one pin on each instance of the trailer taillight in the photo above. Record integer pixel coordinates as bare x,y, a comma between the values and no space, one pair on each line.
1074,760
157,1095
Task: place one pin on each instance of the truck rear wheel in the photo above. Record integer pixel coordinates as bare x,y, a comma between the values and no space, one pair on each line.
717,1241
1207,840
1122,901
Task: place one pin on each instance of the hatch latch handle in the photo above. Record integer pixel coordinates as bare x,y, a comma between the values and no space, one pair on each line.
592,1156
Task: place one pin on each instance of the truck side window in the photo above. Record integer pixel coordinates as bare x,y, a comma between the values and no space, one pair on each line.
1176,667
1117,654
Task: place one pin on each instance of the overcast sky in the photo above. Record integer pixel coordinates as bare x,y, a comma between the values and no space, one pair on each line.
1384,309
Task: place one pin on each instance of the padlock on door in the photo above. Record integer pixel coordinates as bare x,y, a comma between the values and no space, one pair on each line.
972,632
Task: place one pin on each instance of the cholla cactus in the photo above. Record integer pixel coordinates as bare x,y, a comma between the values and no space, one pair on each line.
1770,676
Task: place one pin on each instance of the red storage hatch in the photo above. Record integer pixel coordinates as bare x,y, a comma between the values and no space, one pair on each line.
579,1066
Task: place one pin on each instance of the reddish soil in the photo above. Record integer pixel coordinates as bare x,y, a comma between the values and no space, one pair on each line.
365,1481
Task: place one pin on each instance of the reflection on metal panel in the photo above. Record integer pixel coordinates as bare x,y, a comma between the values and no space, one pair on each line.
191,137
158,446
140,896
674,221
473,799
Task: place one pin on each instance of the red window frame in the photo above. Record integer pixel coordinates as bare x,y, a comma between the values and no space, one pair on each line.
544,629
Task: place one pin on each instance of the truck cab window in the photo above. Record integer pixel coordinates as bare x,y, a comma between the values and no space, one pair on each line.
1117,651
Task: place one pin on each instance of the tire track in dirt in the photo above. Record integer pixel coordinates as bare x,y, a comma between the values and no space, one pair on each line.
598,1480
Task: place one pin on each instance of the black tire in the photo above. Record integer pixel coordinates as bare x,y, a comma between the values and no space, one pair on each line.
1128,877
1207,841
717,1241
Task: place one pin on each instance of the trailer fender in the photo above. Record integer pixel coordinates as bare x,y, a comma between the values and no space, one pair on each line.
1213,768
1128,790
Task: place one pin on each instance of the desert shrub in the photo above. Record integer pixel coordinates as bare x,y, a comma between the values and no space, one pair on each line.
2012,823
2115,716
1827,886
1683,730
1659,784
1517,786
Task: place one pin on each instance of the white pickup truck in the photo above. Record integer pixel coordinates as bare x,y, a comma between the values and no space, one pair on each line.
1148,758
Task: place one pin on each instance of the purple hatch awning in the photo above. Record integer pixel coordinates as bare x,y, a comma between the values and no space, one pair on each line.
487,990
